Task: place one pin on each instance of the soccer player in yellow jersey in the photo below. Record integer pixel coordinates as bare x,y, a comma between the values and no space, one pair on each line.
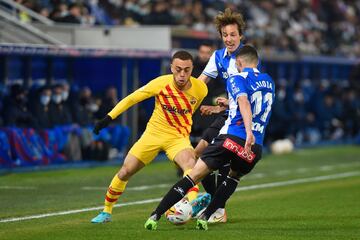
177,96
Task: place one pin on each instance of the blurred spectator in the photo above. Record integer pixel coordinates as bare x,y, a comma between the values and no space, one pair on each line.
16,112
159,14
72,16
350,112
203,55
86,108
108,102
41,108
59,112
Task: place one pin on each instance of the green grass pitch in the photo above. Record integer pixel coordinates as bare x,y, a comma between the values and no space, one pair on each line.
308,194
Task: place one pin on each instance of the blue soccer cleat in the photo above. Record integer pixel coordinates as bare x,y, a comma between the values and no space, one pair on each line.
200,203
103,217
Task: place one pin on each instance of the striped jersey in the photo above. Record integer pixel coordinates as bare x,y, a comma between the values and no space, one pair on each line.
173,108
260,91
222,64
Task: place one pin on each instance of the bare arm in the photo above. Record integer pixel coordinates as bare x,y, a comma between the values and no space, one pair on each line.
204,78
245,110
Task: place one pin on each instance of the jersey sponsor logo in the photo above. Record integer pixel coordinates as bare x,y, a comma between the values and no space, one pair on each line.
225,75
238,150
173,109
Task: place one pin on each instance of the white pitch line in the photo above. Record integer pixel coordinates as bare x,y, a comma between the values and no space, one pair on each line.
298,181
251,176
246,188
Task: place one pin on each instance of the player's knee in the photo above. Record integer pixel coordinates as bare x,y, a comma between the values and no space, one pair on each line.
124,173
188,163
235,174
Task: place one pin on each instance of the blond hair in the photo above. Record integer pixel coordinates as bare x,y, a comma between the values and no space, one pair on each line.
229,17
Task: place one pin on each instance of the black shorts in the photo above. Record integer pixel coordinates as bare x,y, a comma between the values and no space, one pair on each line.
229,149
211,132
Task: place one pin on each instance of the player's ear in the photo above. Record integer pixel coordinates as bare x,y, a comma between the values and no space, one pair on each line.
172,68
238,64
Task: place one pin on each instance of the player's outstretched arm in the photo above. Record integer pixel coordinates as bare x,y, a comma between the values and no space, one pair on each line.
135,97
245,110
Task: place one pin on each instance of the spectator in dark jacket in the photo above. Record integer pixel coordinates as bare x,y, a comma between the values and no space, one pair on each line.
59,113
17,113
41,108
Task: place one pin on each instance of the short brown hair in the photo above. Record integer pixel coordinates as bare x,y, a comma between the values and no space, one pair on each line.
229,17
183,55
249,54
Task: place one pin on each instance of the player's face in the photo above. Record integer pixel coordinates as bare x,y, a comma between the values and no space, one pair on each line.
181,70
204,53
231,37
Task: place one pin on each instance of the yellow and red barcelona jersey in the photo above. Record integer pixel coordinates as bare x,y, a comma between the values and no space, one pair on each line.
173,108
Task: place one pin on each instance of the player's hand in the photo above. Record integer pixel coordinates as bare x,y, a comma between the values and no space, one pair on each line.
103,123
221,101
250,140
209,110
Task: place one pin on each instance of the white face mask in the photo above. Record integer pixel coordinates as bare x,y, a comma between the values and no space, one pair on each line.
65,95
44,99
56,98
93,107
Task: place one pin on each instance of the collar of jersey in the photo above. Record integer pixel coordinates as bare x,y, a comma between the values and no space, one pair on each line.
251,70
234,53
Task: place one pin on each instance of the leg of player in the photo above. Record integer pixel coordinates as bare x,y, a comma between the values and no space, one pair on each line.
117,186
223,193
177,192
220,214
185,159
209,182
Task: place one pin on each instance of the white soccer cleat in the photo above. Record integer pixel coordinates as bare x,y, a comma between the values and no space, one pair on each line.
219,216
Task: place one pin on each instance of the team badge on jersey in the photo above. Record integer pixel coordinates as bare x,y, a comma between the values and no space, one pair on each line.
193,100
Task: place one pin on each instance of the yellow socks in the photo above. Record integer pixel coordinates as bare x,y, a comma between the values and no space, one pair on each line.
193,192
113,193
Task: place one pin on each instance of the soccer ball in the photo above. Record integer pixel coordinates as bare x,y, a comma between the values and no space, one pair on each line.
282,146
180,213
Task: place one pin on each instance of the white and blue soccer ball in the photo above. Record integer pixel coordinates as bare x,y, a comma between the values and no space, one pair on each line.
180,213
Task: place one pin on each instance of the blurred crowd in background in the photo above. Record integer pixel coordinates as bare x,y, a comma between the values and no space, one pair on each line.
53,124
280,26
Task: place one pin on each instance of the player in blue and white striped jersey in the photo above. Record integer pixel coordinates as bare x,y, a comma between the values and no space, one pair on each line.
230,26
251,94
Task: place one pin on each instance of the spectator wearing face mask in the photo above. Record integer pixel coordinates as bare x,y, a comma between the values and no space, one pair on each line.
86,107
41,109
59,112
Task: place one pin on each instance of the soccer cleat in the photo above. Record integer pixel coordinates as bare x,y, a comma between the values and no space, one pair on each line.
201,224
200,203
150,224
219,216
103,217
